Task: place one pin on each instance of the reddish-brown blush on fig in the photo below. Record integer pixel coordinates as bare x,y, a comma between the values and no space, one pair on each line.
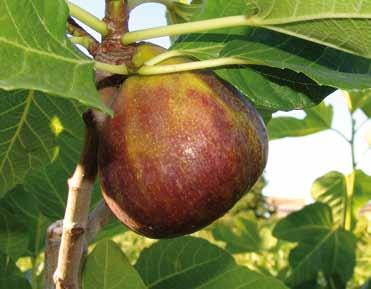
179,152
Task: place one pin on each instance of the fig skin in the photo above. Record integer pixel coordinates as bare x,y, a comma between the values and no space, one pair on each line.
179,152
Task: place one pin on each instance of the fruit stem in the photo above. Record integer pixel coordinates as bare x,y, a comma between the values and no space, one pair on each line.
88,18
111,68
196,65
186,28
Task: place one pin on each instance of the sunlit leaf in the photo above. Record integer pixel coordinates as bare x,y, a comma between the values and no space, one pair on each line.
340,24
242,237
322,246
10,276
186,263
107,268
316,120
36,54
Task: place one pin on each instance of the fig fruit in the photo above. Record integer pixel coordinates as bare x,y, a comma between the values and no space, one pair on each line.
179,152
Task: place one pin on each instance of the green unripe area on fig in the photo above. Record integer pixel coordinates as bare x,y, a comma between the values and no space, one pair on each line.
179,152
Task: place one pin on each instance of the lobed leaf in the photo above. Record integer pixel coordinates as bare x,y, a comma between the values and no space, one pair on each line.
32,223
107,268
331,189
36,54
194,263
322,246
242,237
316,120
10,276
286,72
341,24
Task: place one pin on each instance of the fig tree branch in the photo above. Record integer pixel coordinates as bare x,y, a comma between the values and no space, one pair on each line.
97,220
186,28
53,242
88,18
76,217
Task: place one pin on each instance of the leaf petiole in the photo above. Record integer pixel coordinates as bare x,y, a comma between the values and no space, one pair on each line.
84,41
111,68
88,19
164,56
196,65
132,4
185,28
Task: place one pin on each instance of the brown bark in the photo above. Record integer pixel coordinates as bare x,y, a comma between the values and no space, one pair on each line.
76,217
53,242
78,227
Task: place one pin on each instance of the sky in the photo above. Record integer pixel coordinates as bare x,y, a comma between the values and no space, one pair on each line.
293,163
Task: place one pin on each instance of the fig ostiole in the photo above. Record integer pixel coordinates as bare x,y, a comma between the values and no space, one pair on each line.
180,150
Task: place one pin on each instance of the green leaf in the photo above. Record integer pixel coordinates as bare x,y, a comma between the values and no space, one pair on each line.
342,25
331,189
313,284
361,99
317,119
325,66
24,205
322,246
274,89
367,285
13,235
26,139
186,263
362,270
242,237
36,54
290,73
362,189
48,184
268,88
107,267
10,276
180,12
113,228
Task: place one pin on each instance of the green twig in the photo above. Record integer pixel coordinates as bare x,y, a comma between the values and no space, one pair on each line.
88,18
340,134
185,28
350,181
